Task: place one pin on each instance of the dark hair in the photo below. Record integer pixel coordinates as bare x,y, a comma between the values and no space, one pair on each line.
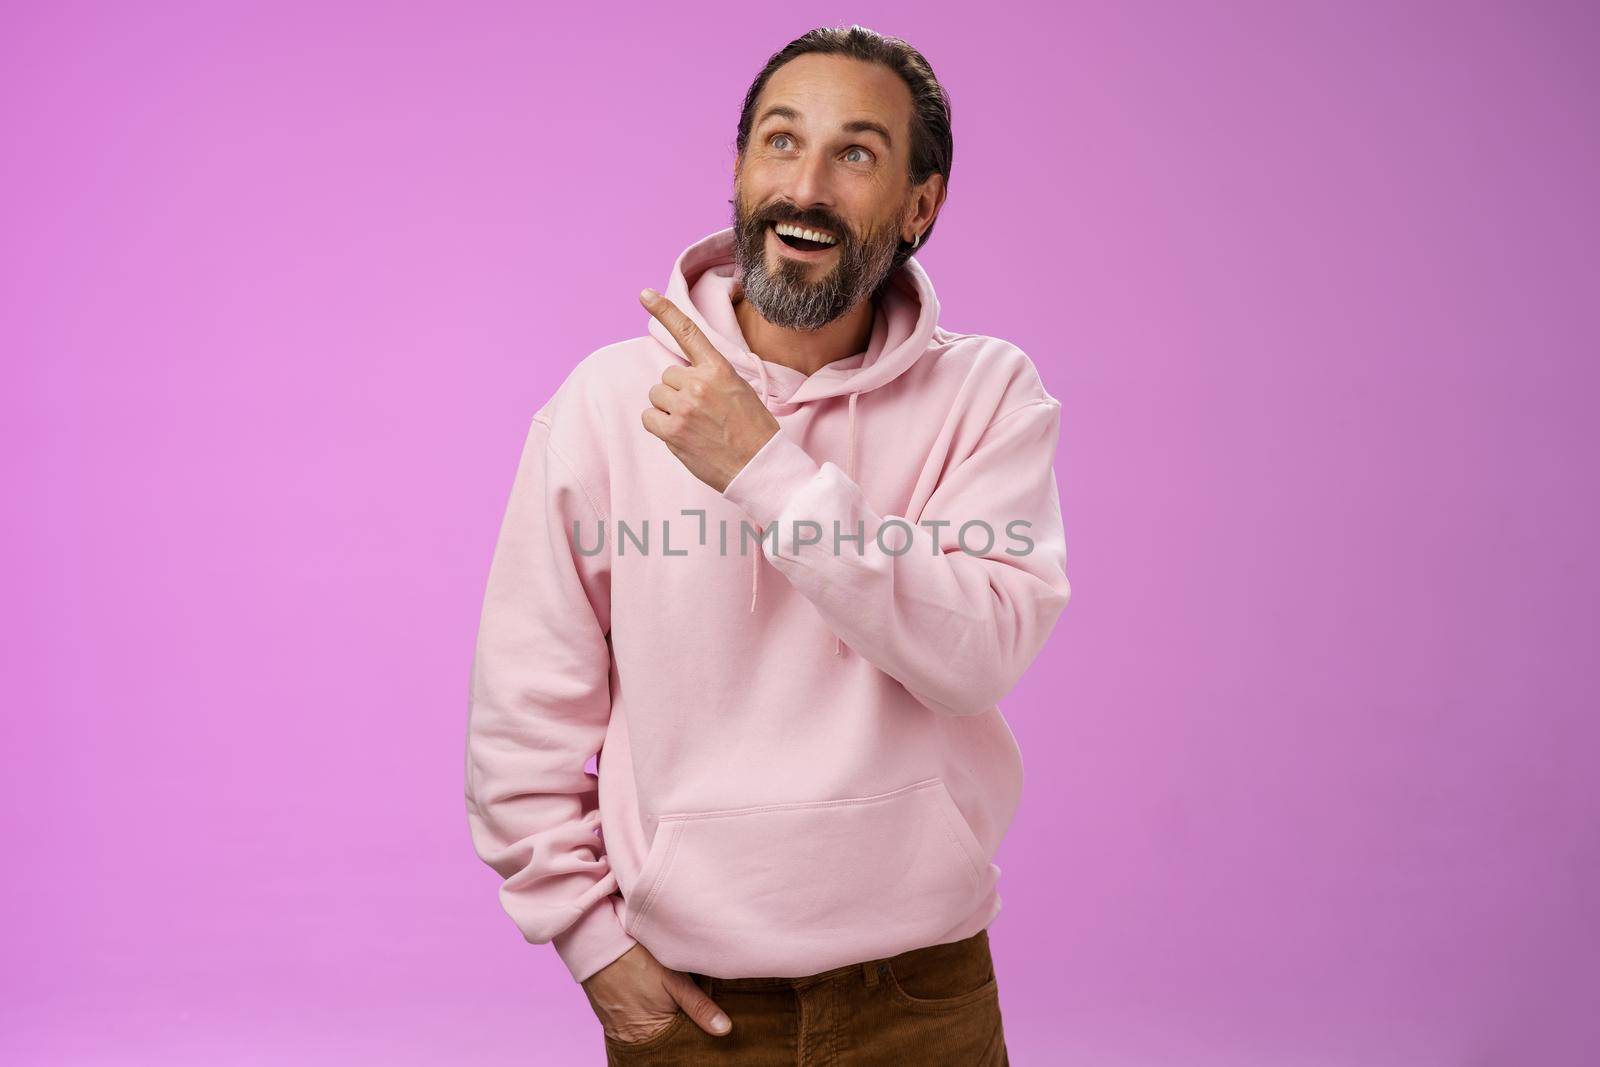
931,144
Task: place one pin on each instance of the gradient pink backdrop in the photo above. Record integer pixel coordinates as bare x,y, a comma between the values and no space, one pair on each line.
1310,757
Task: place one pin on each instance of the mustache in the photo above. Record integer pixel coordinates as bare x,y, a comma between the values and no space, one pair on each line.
815,220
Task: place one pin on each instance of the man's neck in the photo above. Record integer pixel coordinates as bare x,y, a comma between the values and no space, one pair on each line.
806,351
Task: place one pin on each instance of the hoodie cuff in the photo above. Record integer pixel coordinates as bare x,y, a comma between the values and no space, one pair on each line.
594,941
770,478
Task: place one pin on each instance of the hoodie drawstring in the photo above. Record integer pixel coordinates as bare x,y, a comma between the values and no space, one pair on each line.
850,469
755,557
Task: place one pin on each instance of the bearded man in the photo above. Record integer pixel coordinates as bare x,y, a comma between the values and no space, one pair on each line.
791,690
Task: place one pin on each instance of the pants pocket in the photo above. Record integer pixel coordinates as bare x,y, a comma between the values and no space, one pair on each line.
654,1041
785,890
943,977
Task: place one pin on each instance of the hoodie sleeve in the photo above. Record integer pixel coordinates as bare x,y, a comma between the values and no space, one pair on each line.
957,626
540,702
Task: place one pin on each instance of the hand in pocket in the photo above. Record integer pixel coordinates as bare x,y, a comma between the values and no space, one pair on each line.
635,998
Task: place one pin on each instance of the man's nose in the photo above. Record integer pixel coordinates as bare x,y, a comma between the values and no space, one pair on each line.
812,184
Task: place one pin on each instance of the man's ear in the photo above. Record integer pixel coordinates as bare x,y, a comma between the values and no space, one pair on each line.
927,199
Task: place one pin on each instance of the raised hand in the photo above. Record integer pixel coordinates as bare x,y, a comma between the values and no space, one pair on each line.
708,416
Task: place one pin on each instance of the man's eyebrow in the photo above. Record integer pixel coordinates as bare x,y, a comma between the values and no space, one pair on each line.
784,111
868,126
777,111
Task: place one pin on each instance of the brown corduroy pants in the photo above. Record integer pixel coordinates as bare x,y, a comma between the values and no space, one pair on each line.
932,1006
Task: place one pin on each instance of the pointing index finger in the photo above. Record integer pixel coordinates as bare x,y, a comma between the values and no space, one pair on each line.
695,345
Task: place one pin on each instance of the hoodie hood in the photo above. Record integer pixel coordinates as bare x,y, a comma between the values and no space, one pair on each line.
702,284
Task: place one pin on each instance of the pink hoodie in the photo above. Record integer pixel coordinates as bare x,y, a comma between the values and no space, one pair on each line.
801,763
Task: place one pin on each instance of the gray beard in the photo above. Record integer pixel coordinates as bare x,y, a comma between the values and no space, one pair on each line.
786,299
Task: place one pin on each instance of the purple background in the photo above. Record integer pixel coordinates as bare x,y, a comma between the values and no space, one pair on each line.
1310,756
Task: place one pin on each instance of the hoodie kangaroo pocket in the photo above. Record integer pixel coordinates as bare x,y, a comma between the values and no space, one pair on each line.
785,890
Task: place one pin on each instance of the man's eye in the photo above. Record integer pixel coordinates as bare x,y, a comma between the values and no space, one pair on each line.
780,137
863,156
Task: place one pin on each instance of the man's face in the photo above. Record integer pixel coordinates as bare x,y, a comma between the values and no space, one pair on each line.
829,151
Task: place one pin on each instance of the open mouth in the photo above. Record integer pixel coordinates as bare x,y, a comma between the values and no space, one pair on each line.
804,238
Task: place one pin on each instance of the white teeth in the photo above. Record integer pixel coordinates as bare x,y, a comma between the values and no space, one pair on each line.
809,235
